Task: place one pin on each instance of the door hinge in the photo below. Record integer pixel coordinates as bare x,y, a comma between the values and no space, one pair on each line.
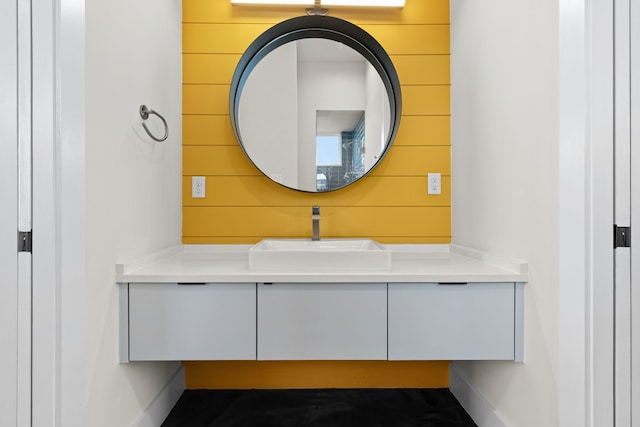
24,241
621,237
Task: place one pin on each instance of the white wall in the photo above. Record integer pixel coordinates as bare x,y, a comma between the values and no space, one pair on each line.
133,57
268,113
504,73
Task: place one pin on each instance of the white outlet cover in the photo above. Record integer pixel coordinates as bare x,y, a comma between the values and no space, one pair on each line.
434,183
198,187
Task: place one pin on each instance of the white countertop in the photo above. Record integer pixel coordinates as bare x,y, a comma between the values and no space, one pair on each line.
410,263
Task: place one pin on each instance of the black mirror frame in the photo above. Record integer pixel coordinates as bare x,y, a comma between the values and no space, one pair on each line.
325,27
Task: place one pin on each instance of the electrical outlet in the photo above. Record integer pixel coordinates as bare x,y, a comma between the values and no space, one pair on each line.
433,185
197,187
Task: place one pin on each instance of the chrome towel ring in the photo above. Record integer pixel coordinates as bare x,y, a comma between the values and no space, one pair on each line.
144,113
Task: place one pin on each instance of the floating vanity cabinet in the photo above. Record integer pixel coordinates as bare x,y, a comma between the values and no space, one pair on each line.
389,314
322,321
214,321
475,321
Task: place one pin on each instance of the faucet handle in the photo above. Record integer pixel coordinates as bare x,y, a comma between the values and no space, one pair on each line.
315,210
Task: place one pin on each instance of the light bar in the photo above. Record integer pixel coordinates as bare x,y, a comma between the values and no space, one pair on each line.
274,2
369,3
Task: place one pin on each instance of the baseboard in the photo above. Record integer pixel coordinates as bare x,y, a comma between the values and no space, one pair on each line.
473,402
162,404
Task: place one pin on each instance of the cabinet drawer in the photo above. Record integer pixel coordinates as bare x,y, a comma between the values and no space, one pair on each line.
322,321
428,321
192,322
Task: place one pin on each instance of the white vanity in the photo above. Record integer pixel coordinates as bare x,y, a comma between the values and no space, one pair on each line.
434,302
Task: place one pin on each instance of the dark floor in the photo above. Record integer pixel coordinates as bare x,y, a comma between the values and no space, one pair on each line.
319,408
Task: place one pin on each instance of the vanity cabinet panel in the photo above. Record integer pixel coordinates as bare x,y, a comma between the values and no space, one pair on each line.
192,322
322,321
430,321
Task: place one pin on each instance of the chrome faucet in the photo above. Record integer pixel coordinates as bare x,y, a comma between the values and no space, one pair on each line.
315,223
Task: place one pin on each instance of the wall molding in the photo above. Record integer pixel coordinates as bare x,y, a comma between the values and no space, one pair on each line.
155,413
482,412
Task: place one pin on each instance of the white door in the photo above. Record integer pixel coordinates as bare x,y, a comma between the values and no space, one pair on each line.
8,214
634,191
627,213
15,213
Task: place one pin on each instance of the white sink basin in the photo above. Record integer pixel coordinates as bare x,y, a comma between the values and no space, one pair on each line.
322,255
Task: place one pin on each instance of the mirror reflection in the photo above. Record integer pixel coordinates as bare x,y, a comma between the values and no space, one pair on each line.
340,148
314,115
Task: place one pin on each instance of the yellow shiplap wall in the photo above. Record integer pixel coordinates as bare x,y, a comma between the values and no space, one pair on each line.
390,205
242,206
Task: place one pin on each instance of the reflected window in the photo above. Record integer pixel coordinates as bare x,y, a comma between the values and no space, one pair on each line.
328,150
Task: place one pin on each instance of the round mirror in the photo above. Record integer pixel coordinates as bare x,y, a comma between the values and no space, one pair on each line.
315,103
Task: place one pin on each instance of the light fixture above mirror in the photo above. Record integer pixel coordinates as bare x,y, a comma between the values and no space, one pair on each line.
363,3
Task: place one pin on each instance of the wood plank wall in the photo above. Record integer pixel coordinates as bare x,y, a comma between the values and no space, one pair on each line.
242,206
391,205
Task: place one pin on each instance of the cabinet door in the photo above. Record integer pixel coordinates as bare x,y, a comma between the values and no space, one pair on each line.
428,321
192,322
322,321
